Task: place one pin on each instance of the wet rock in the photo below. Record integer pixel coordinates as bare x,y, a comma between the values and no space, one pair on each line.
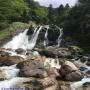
74,76
88,72
63,85
2,75
19,51
82,68
76,50
3,53
53,34
48,83
86,86
10,60
54,52
88,63
83,60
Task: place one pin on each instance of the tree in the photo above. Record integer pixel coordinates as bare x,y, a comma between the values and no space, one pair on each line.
51,14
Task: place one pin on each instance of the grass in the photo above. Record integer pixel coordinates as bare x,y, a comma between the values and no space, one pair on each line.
3,33
14,26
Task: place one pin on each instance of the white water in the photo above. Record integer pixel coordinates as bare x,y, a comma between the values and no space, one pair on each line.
78,85
18,41
9,71
22,40
13,53
60,37
52,62
13,83
31,44
46,38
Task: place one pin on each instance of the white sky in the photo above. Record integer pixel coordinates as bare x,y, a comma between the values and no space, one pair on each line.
56,3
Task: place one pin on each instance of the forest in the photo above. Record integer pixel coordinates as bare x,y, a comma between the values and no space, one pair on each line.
75,20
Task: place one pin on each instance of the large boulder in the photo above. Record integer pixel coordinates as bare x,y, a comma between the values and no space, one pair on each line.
36,67
32,68
70,72
67,68
74,76
10,60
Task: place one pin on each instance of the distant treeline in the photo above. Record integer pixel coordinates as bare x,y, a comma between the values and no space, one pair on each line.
74,20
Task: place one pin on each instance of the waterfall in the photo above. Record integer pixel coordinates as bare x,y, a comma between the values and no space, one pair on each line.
46,38
18,41
22,40
31,44
60,37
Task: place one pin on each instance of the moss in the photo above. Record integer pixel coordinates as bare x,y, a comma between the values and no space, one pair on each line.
77,49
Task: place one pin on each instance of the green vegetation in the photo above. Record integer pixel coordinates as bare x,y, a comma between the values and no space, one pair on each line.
74,20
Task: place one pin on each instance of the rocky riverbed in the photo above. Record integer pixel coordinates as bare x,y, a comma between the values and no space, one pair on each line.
26,64
44,69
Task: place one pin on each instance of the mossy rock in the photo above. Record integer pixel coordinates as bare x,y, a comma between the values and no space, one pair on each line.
77,49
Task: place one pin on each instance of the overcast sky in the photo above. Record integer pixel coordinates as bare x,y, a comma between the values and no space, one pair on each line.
56,3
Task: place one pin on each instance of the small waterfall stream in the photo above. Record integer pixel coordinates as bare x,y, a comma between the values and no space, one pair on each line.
60,37
46,38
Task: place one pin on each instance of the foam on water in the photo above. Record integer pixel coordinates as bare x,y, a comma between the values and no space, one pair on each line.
13,53
10,71
18,41
52,62
78,85
22,40
12,83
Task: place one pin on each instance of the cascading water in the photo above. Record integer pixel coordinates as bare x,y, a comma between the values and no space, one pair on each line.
22,40
78,85
31,44
60,37
18,41
25,42
46,41
46,38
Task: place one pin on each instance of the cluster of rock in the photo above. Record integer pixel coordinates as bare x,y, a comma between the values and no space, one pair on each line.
42,70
